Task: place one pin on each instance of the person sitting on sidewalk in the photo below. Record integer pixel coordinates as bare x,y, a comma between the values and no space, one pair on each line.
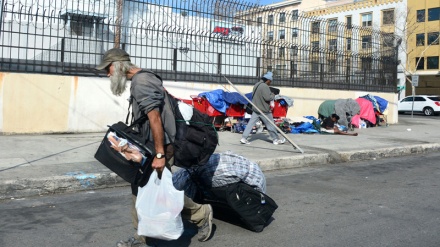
328,126
261,97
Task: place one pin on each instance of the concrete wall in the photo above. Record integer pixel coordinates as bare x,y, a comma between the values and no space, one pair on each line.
32,103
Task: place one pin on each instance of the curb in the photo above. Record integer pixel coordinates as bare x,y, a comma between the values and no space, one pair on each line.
11,189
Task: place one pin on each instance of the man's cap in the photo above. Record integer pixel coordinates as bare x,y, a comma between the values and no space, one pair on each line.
268,76
111,56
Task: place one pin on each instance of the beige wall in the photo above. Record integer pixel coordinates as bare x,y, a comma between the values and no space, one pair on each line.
31,103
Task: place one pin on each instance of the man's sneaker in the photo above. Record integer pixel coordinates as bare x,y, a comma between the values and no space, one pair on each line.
282,141
244,141
132,242
206,228
279,141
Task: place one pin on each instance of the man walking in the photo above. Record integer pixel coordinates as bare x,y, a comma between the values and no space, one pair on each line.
149,98
261,99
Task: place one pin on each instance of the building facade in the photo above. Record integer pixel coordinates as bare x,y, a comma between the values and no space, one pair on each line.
423,27
363,36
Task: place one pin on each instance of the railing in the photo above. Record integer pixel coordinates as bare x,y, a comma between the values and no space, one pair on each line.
195,40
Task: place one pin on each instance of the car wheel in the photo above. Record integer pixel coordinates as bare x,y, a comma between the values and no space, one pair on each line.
428,111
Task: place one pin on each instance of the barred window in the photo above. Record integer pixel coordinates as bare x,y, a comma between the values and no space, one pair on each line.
282,34
270,20
294,32
270,35
366,42
259,21
388,17
333,25
348,40
282,17
294,15
315,27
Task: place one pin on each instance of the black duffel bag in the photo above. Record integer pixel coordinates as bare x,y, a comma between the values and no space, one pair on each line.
241,201
133,172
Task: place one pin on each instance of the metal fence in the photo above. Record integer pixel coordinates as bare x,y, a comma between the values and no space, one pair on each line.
198,41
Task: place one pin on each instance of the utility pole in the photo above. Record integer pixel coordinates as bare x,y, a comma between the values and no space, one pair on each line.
118,22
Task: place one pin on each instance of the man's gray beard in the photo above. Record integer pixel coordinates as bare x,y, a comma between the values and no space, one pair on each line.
118,83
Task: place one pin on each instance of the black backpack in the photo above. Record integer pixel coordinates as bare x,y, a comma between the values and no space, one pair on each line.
194,143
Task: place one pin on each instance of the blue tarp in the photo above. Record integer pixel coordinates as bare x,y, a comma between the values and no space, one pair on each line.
215,98
305,127
221,100
383,103
234,98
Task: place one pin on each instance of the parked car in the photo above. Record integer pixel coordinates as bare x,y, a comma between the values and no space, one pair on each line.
427,104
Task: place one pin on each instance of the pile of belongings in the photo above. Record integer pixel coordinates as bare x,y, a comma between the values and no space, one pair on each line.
371,106
220,170
222,100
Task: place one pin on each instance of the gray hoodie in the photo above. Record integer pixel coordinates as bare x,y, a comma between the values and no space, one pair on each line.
262,97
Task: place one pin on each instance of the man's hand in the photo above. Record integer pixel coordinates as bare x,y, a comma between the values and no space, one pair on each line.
158,164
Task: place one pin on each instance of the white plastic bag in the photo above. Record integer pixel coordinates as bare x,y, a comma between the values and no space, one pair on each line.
158,206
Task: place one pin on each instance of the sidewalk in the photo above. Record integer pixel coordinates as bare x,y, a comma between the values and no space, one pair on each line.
33,165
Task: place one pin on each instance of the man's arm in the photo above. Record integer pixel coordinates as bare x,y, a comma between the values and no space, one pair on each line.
158,137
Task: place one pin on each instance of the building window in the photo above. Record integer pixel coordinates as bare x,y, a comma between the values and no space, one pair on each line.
348,44
270,20
388,40
332,66
282,34
432,62
421,15
433,38
367,20
294,15
434,14
420,39
420,63
332,45
366,63
269,54
332,25
280,70
315,66
259,21
315,27
388,17
315,46
294,32
366,42
282,17
349,22
270,35
281,52
294,50
269,68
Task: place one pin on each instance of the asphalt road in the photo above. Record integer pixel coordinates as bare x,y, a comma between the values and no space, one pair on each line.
388,202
